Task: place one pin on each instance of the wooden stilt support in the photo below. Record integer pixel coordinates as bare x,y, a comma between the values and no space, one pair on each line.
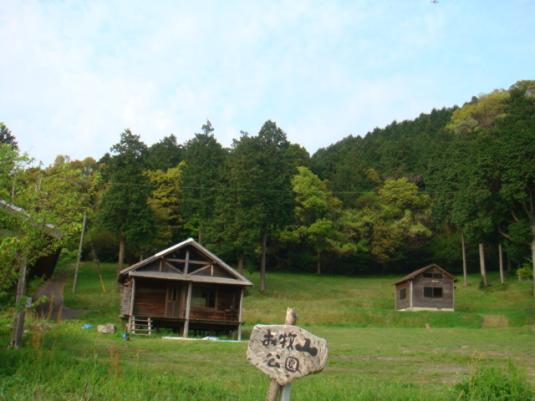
188,307
240,315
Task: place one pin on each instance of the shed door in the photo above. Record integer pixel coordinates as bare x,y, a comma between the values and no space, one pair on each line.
172,300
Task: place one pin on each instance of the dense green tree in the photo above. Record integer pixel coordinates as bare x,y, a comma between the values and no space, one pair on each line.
394,217
123,209
480,113
318,217
261,171
46,218
165,202
404,149
513,154
204,158
483,181
164,154
6,137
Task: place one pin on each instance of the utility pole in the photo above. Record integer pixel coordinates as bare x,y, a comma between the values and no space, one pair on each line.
77,267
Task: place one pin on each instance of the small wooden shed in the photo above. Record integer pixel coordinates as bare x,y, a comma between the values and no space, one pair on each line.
429,288
185,287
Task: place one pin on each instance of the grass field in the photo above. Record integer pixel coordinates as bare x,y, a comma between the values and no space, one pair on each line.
374,352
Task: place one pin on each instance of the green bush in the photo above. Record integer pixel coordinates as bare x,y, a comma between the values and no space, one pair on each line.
524,272
494,384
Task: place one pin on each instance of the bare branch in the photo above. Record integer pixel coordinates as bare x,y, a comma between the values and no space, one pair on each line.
515,217
504,234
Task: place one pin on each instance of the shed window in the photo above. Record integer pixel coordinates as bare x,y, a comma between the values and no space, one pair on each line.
203,296
433,292
403,293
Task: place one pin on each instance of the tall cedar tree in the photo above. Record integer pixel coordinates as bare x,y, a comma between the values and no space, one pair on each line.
124,209
164,154
261,173
201,175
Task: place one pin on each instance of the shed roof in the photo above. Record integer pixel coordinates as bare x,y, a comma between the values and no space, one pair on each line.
235,277
416,273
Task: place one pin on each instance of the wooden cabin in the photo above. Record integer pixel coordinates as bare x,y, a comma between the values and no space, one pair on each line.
184,287
429,288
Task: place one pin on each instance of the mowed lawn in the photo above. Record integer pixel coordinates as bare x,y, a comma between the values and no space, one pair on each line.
374,352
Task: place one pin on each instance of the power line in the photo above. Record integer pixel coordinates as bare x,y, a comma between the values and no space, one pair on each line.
263,190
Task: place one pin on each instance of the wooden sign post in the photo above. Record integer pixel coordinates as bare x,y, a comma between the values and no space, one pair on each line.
285,352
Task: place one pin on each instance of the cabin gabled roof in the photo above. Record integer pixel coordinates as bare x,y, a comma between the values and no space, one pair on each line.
422,270
198,272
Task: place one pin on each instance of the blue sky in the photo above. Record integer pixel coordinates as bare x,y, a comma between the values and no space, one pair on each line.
74,74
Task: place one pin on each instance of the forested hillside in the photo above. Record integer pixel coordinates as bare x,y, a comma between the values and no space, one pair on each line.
392,200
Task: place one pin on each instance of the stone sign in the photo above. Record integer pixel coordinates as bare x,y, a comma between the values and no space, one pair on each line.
286,352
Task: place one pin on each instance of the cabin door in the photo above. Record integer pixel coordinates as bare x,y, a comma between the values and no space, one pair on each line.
172,300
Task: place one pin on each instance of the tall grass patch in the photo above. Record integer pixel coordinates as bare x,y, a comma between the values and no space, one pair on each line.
495,384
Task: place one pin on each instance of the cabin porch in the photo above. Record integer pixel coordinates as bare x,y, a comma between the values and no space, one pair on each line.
185,306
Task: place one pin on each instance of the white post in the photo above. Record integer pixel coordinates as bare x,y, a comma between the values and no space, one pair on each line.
240,314
500,256
188,307
286,393
465,269
132,296
410,294
482,267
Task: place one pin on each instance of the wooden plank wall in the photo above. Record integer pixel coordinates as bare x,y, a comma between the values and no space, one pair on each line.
126,291
403,303
420,301
149,299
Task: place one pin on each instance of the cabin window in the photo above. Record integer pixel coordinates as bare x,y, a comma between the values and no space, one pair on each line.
203,297
403,293
433,292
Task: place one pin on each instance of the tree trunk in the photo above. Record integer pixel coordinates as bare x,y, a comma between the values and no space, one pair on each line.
122,247
263,264
533,254
482,265
240,264
500,257
18,321
79,256
318,262
465,269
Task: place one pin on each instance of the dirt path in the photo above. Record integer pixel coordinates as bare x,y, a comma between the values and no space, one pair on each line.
54,308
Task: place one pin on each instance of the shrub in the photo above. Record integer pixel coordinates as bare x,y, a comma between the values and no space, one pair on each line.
524,272
494,384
